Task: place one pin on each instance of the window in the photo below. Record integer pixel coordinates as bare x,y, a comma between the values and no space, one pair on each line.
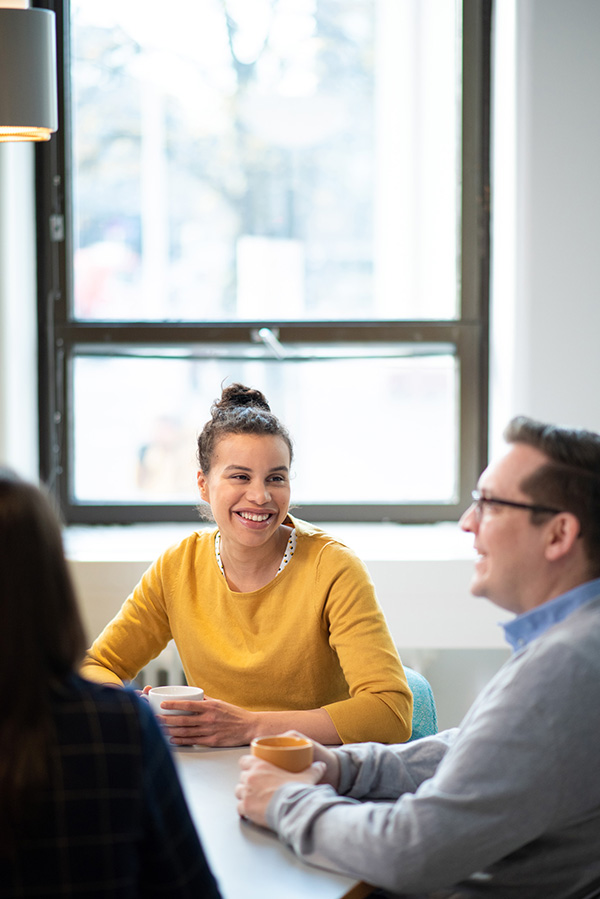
288,193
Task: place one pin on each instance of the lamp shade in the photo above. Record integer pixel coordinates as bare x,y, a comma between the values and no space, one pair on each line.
28,95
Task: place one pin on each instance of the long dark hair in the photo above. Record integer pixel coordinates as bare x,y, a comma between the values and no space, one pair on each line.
41,640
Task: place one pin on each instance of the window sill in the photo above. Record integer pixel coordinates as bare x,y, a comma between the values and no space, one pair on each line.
372,542
421,573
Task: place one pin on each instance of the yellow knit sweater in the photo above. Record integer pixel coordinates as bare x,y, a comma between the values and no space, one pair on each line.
314,637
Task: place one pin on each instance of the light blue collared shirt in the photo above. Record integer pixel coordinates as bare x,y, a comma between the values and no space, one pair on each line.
530,625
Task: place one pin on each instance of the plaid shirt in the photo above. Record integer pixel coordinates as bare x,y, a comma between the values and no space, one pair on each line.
113,822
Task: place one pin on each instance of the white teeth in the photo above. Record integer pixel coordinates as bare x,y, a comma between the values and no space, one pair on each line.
254,517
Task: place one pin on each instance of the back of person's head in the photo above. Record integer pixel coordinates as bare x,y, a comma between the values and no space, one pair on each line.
41,637
240,410
571,479
41,629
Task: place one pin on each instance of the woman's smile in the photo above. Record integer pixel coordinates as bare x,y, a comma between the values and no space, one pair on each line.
255,516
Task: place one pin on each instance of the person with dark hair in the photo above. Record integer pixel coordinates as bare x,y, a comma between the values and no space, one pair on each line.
277,621
90,802
507,804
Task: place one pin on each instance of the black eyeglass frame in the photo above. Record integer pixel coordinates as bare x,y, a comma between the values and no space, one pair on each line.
480,501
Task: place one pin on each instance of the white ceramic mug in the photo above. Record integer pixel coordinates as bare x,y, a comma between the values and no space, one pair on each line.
157,695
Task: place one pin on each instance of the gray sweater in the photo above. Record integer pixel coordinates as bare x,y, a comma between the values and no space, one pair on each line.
507,805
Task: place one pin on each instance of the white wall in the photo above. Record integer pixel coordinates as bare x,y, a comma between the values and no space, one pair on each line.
546,317
547,265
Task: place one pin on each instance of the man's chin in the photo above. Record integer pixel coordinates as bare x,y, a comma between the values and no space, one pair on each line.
477,588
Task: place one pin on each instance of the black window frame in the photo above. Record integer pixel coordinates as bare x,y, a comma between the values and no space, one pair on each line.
59,335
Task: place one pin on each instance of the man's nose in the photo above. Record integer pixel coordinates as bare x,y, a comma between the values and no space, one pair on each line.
468,520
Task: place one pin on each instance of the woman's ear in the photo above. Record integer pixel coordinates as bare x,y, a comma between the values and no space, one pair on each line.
202,482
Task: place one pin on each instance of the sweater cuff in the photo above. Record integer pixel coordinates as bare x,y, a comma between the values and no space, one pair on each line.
287,800
348,769
368,716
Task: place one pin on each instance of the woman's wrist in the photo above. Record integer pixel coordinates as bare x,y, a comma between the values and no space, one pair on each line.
313,723
263,724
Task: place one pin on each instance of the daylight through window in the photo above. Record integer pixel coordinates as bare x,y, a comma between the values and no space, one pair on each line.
288,193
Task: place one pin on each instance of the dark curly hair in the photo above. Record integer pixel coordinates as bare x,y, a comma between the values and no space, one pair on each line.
240,410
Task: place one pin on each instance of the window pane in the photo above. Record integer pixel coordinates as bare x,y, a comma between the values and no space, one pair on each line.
263,160
366,430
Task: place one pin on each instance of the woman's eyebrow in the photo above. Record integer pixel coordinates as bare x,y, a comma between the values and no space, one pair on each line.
245,468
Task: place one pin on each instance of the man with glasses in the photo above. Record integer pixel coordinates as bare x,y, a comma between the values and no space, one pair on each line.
508,804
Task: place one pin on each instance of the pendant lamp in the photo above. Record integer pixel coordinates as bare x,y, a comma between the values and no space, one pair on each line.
28,95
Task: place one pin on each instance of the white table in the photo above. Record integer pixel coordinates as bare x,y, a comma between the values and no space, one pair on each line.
248,861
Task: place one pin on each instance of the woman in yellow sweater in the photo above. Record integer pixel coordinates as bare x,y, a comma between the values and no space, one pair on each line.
274,619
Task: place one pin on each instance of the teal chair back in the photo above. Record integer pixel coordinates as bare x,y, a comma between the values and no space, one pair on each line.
424,721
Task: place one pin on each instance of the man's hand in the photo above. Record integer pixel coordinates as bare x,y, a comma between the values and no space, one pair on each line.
259,780
331,774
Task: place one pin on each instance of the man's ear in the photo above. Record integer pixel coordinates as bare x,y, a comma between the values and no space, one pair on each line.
562,536
202,482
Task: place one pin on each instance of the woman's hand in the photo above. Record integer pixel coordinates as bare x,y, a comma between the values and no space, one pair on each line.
259,780
212,723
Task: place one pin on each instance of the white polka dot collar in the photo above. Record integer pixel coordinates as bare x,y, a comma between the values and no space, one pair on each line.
290,549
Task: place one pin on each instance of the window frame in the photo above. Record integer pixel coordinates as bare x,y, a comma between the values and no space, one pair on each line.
59,335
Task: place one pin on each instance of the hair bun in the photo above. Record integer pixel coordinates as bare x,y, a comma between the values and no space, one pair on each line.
237,395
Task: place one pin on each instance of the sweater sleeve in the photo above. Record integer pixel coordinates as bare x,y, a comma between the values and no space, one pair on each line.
371,771
380,703
137,634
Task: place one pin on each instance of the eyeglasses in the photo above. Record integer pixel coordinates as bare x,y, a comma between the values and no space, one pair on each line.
480,502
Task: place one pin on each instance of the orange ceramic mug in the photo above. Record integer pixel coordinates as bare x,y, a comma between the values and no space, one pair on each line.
292,753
